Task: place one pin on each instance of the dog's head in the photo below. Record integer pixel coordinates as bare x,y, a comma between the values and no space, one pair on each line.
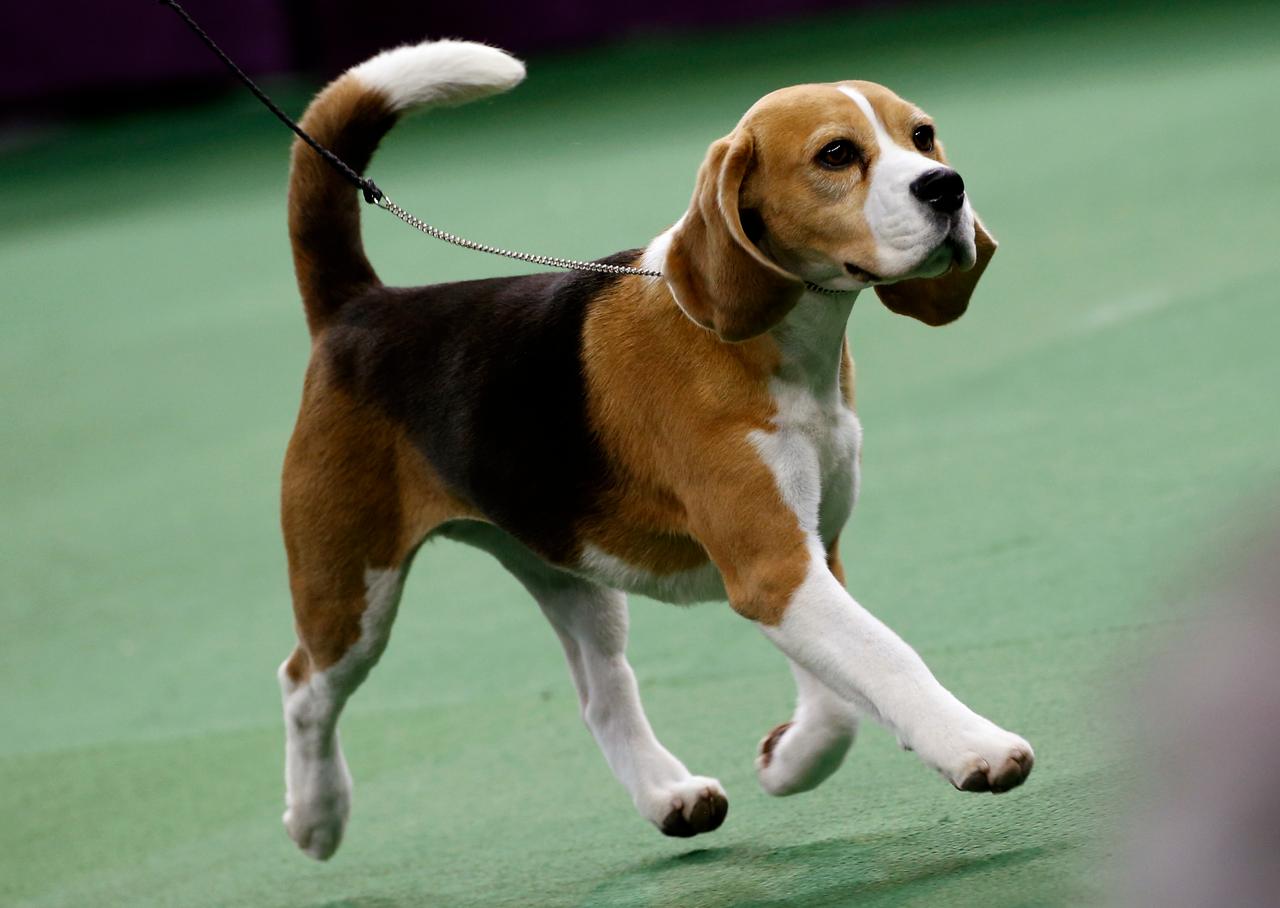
844,185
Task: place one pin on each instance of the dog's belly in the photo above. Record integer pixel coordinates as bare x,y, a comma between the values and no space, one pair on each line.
700,582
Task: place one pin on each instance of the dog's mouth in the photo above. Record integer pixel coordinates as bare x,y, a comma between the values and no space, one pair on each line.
951,252
860,274
963,255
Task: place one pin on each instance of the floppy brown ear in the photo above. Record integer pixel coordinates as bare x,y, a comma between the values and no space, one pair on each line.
942,299
718,276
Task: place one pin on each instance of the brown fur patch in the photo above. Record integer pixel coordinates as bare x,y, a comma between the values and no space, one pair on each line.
356,495
691,485
802,205
298,667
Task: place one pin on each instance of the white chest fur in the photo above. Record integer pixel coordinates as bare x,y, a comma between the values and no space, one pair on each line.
813,454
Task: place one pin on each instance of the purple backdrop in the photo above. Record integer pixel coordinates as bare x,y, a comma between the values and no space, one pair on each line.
89,53
331,45
82,51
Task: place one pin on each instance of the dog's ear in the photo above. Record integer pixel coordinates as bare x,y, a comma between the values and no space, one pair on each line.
942,299
717,274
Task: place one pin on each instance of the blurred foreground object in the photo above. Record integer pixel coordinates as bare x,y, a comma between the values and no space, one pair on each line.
1209,834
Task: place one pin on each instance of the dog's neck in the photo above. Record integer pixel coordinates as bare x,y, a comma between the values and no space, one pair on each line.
811,340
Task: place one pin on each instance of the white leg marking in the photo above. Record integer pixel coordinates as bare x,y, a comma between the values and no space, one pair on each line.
591,622
317,782
802,753
858,657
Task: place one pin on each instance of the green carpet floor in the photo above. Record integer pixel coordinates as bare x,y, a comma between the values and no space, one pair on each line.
1042,480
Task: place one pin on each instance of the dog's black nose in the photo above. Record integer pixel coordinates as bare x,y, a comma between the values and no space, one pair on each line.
941,189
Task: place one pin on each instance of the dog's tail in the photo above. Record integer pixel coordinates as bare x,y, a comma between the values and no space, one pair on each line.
350,116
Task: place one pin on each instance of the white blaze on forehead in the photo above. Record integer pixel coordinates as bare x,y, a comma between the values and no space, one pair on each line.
883,138
865,106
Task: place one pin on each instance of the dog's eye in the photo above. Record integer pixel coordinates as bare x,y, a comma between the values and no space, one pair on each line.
838,155
922,136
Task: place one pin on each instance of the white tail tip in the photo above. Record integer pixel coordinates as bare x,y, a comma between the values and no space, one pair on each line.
439,73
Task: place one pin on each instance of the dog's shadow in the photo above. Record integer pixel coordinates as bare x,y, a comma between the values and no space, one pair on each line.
915,867
847,870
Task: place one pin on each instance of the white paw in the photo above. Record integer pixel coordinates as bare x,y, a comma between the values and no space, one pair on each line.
317,806
794,758
981,756
695,805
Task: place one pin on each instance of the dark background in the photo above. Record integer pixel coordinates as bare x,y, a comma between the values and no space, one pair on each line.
87,56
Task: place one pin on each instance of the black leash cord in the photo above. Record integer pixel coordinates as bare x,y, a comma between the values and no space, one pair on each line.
372,194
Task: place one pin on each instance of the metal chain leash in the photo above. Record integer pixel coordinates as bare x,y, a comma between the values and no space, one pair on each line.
549,261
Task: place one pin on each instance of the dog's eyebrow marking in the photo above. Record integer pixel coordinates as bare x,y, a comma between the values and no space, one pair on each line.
887,146
882,136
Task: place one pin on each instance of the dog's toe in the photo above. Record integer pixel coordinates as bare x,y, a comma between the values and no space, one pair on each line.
998,776
695,811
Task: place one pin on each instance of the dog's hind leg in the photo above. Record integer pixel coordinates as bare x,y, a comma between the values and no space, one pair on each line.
357,502
591,622
801,754
340,638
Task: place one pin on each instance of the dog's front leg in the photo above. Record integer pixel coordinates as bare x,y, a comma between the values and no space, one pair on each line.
820,626
800,754
778,575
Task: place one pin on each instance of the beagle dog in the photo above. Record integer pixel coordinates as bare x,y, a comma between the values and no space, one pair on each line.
689,437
